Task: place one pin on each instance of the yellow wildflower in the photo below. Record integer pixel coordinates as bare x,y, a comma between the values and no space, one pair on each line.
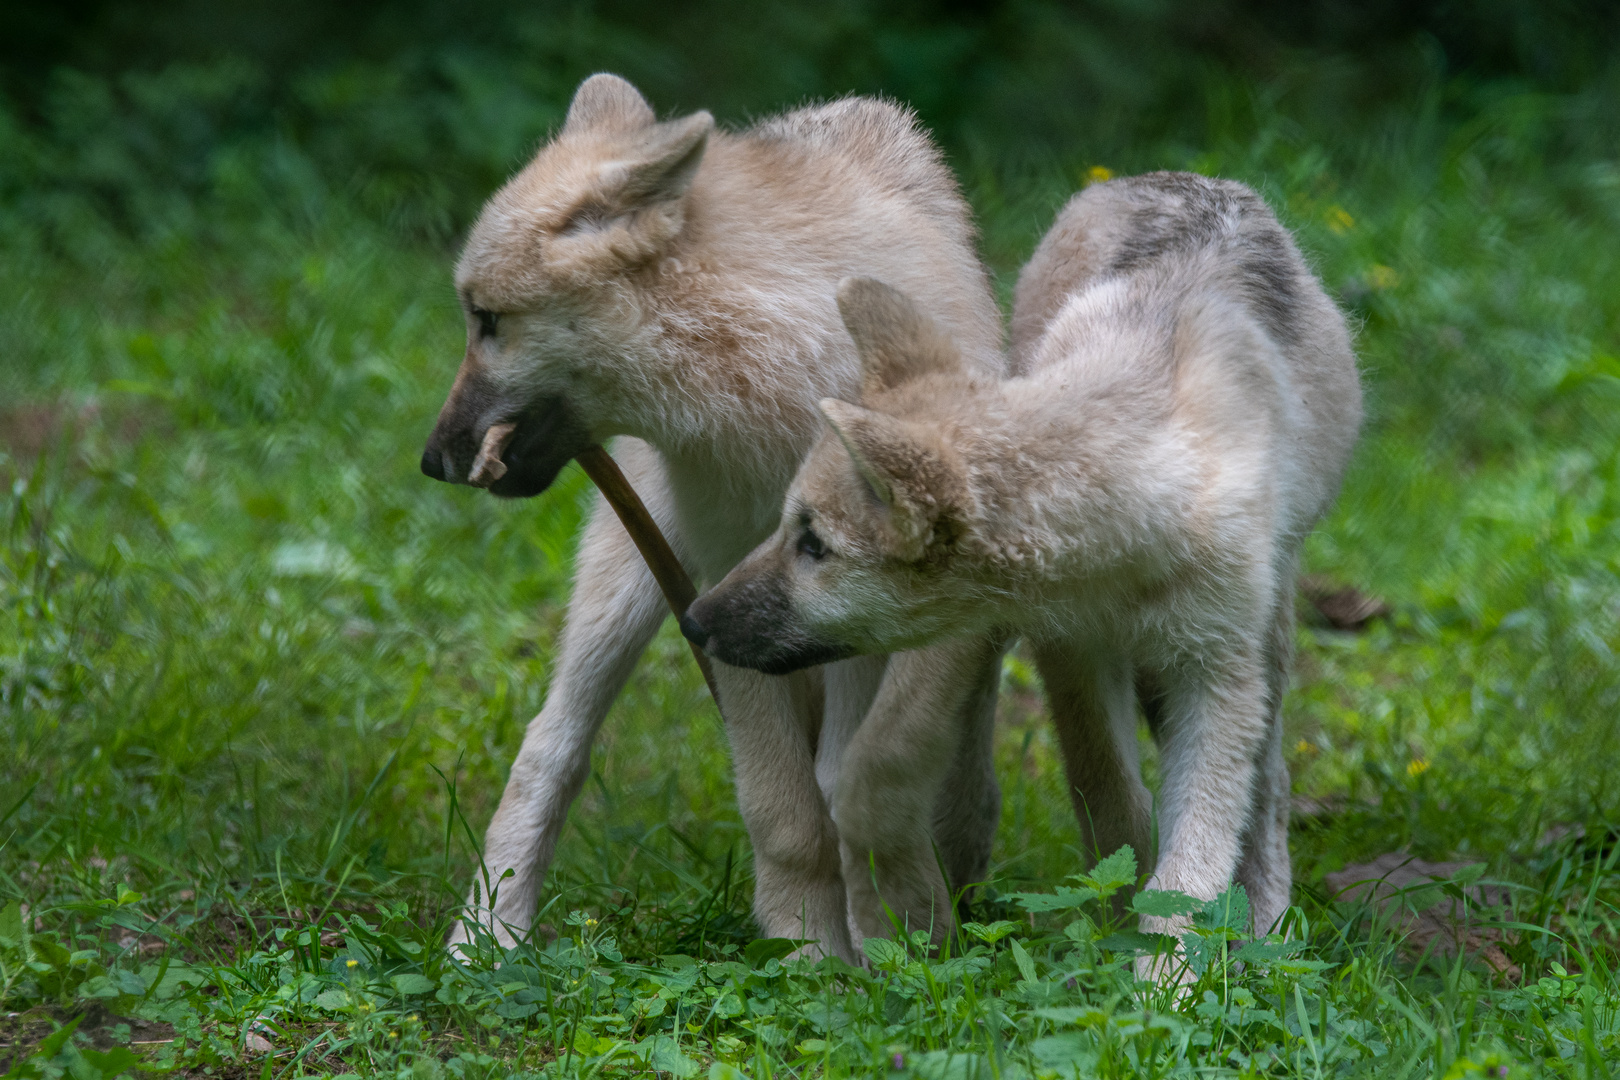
1416,767
1098,173
1339,219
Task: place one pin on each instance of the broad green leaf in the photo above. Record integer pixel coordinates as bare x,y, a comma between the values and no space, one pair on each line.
1071,1014
760,950
1026,966
989,934
412,983
332,1000
1111,874
1135,941
1061,900
885,953
1165,903
1073,1053
1227,912
1267,952
105,1065
667,1057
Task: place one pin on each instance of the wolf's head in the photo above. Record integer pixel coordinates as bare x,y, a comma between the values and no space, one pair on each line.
552,319
866,557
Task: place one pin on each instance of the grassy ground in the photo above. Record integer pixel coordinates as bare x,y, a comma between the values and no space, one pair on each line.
261,679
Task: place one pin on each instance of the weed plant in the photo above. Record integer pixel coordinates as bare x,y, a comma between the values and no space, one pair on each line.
260,680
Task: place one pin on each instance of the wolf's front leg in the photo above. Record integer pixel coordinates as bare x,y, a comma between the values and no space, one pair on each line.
614,611
968,805
798,891
1090,693
1213,737
892,778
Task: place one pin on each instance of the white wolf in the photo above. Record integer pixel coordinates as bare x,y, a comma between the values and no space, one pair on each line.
1134,505
674,285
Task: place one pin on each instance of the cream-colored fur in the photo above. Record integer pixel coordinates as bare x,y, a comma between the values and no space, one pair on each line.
1134,505
673,284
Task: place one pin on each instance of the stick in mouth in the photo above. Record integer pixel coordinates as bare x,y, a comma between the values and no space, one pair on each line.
488,467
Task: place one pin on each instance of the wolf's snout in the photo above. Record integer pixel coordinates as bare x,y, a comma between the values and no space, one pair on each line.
693,630
433,463
748,621
515,457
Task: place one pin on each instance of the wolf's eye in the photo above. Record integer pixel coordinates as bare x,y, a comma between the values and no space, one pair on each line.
488,322
810,544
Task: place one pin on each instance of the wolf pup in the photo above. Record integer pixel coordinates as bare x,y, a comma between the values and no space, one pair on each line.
674,285
1134,506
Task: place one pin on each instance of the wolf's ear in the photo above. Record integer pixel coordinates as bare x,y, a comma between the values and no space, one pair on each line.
609,104
634,205
658,164
908,467
895,340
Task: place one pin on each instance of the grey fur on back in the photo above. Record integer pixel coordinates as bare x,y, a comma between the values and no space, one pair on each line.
1131,224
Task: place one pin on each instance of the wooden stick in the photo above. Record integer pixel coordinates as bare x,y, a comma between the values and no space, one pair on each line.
666,569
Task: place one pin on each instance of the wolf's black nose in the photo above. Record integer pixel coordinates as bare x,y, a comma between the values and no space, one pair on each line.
694,630
433,463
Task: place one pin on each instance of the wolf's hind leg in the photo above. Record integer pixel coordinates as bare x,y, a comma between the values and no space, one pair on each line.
1093,704
1266,871
1214,730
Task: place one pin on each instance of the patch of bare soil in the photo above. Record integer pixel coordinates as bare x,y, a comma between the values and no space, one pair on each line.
21,1033
32,428
1404,890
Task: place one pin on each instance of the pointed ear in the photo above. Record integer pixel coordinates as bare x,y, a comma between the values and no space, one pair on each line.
635,206
908,467
895,340
659,164
609,104
870,437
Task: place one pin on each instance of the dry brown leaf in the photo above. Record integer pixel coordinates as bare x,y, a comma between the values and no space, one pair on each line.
1344,607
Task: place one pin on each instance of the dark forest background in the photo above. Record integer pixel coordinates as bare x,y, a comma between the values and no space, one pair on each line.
450,96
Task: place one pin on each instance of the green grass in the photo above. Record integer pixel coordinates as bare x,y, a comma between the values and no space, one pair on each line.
261,680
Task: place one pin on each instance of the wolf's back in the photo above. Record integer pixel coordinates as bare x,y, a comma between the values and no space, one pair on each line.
883,139
1130,224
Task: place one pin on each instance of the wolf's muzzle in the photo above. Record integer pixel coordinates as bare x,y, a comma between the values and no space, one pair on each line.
433,463
547,437
749,624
